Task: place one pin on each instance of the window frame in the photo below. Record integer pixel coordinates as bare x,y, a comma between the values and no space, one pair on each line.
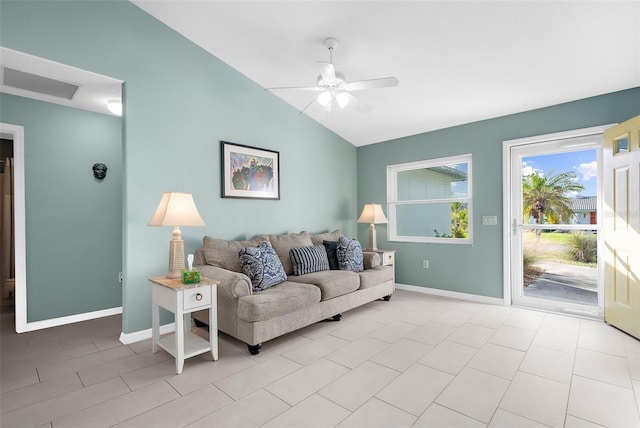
393,203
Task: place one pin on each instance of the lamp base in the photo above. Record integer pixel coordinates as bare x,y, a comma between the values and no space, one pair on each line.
373,245
176,255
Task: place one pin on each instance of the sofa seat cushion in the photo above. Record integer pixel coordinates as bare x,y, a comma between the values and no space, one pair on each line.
331,283
278,300
372,277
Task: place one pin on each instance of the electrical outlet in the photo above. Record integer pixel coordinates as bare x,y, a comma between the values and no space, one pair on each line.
120,276
425,264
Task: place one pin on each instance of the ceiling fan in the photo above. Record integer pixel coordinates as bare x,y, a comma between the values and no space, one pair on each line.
335,89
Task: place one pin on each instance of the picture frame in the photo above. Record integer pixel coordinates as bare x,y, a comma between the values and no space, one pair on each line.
249,172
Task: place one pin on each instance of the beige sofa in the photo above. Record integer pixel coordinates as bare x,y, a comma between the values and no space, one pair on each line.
256,317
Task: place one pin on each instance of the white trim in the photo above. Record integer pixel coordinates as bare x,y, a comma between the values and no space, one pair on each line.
452,294
507,202
393,203
54,322
17,134
137,336
584,132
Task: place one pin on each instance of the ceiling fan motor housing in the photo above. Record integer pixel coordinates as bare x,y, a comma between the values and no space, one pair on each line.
338,82
331,43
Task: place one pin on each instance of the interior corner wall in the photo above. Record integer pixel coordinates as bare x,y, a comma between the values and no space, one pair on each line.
74,221
180,102
478,268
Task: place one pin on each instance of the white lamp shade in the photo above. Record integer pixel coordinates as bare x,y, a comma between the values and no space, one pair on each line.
176,209
372,214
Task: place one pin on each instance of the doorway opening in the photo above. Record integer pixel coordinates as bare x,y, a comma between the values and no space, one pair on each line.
553,214
7,228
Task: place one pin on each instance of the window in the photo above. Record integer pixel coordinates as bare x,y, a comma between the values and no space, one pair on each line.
430,200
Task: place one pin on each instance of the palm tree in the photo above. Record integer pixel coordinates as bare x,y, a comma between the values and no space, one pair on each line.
459,220
546,196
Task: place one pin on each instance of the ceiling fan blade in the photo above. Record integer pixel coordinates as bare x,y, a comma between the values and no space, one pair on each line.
297,88
328,71
308,105
384,82
359,105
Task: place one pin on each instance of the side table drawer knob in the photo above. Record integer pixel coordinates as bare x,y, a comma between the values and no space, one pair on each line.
199,297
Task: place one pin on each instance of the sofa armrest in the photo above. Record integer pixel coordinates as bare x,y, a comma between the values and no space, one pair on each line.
232,285
371,259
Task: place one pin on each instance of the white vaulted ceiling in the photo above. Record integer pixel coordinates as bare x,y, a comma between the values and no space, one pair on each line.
457,61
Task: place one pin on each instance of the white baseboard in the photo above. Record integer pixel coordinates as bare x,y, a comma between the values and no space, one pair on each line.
54,322
451,294
137,336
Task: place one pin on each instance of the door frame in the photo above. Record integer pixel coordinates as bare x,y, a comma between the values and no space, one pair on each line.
508,187
17,134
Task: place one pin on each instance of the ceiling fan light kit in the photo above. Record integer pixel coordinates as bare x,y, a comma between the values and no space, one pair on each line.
334,87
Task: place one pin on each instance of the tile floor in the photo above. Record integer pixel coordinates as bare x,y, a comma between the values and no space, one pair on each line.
416,361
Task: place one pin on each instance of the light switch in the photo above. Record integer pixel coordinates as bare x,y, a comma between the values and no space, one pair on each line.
489,220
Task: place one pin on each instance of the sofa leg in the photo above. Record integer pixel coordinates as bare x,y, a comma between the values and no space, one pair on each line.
200,324
387,298
255,349
337,317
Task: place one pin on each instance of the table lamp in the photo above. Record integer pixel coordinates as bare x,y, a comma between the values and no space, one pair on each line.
372,214
176,209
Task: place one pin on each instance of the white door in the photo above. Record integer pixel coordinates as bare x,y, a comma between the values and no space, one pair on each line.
622,226
559,287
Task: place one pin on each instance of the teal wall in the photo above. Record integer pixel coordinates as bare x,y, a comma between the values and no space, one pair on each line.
477,268
74,222
179,103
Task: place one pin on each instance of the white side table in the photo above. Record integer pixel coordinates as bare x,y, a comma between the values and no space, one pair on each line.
388,258
182,299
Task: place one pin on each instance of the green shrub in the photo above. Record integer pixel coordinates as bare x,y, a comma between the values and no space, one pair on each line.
584,247
527,259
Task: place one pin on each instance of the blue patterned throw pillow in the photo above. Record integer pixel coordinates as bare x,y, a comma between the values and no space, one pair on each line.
309,259
349,252
262,265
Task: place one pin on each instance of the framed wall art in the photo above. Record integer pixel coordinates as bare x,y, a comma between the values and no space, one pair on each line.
249,172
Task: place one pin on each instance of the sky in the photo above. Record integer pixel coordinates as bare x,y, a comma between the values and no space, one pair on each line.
583,162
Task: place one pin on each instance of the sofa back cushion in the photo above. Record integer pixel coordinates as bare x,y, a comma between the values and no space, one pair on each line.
317,238
282,244
309,259
262,265
224,254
